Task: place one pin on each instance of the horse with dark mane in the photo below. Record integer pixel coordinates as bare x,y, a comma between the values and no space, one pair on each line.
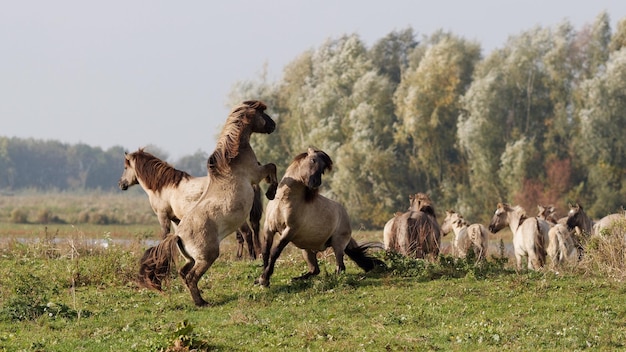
415,233
309,220
223,206
172,193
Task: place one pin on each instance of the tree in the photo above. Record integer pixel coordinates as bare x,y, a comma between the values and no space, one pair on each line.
427,105
194,164
602,146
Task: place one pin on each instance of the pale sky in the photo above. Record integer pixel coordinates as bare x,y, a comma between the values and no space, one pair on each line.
133,73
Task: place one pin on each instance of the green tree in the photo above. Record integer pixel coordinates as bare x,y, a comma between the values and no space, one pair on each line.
602,146
427,105
194,164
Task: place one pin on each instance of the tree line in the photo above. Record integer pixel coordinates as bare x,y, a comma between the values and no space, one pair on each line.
540,120
48,165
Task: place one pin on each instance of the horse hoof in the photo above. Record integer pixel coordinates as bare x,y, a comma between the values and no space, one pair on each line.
271,192
262,282
202,303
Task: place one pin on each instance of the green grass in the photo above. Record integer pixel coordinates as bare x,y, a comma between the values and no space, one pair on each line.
60,292
66,295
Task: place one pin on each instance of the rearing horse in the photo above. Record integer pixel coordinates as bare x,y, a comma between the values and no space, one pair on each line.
172,193
225,204
309,220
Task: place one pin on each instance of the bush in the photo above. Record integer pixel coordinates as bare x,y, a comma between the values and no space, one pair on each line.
18,216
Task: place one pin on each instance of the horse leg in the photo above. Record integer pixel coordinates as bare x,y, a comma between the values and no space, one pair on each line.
256,241
198,267
311,259
268,270
240,241
248,238
165,224
269,174
518,261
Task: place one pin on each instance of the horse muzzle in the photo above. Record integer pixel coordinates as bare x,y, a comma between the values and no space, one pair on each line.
123,185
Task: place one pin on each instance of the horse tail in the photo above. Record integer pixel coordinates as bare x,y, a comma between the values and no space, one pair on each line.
156,263
358,253
540,247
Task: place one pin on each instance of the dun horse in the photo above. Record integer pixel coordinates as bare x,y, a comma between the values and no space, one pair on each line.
529,234
415,233
172,193
224,205
466,237
309,220
561,244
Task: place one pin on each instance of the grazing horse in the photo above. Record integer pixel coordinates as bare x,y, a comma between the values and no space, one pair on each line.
415,233
529,234
172,193
309,220
224,205
466,236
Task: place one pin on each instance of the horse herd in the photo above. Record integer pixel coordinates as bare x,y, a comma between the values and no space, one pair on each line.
206,209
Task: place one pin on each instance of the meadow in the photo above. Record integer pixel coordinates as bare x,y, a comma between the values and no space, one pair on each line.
69,286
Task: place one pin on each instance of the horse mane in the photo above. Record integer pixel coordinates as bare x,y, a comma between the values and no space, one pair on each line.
232,136
156,173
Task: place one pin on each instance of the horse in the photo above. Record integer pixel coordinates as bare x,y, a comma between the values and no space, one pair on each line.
312,222
548,213
466,236
223,206
172,193
561,243
415,233
607,222
529,234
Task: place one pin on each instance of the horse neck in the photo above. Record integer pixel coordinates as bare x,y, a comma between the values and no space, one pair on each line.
290,187
515,217
458,226
586,224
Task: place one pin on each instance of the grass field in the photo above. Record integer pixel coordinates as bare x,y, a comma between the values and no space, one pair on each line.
71,288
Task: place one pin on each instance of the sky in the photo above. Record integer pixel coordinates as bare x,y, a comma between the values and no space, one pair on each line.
137,73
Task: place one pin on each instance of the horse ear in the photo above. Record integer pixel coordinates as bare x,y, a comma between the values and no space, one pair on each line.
127,156
411,196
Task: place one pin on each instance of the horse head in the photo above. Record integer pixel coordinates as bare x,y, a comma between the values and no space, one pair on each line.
421,202
247,118
314,165
574,216
129,176
446,225
500,218
547,213
259,121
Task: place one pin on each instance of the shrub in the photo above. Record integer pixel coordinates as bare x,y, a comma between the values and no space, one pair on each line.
18,216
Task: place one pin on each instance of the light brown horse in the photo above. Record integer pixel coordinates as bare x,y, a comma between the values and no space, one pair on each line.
224,205
312,222
529,234
172,193
561,241
467,237
415,233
